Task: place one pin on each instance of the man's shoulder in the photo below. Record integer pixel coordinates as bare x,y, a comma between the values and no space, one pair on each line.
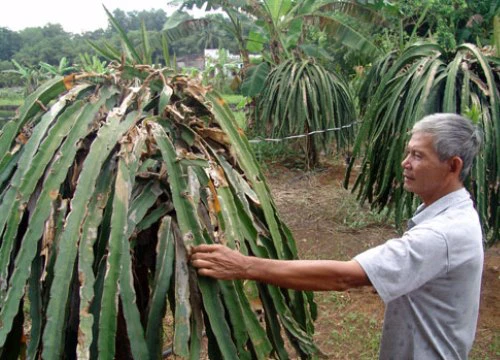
460,229
455,212
454,220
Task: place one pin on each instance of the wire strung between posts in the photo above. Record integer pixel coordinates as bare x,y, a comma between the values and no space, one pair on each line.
303,135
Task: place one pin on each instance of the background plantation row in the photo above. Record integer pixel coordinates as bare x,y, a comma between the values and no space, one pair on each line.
120,158
370,67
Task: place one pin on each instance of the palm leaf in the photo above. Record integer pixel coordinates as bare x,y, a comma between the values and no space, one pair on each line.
345,33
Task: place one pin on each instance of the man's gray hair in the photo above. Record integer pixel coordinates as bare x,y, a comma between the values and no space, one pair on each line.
453,135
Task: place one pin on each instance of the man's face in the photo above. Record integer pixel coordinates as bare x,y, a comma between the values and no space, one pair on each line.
424,174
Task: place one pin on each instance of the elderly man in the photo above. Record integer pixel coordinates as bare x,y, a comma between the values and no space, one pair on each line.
429,278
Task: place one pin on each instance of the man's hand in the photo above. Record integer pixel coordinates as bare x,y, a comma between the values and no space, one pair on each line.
220,262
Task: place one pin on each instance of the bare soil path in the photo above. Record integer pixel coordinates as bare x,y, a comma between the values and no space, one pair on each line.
327,223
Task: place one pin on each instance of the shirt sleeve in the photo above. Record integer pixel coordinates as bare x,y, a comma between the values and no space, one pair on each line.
404,264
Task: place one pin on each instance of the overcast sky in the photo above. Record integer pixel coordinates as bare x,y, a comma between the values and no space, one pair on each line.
74,16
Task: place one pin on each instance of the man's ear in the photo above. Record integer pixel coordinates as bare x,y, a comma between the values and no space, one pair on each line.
456,165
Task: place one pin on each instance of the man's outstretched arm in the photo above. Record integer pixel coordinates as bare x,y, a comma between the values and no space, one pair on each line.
221,262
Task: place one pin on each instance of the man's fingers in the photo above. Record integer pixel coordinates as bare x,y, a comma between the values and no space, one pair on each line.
200,263
200,249
205,272
202,256
205,268
204,248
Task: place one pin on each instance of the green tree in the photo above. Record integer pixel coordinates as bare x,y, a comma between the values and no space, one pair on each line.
217,34
10,43
283,26
8,76
238,26
47,44
448,22
281,31
153,19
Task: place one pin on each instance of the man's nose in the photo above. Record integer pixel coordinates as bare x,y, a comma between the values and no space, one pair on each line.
405,162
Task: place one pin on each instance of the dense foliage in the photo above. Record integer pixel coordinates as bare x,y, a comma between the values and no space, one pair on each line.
402,88
449,22
106,183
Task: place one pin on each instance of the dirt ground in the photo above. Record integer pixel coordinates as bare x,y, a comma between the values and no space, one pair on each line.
327,223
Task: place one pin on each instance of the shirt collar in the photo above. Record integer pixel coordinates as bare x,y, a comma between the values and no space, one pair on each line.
427,212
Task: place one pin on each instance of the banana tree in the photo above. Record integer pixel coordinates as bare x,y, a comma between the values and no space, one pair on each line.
31,75
295,93
107,180
280,24
400,90
63,68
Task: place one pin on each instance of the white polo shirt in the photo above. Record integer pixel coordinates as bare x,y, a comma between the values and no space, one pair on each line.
430,281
